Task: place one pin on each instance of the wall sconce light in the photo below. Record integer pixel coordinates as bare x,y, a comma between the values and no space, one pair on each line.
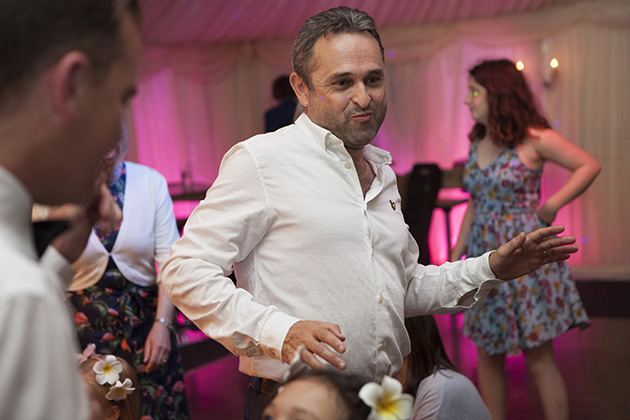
550,73
550,65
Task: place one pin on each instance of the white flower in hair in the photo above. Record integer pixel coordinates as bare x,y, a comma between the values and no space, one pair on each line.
108,371
120,390
387,400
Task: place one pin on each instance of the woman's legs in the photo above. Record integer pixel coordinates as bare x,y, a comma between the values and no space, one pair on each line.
549,383
492,382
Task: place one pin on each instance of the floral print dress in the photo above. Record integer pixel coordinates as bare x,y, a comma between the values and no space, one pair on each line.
526,312
117,315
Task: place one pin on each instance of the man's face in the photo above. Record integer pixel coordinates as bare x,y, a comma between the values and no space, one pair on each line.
347,94
98,127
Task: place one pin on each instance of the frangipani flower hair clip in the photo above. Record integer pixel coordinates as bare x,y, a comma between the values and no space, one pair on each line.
108,371
120,390
387,400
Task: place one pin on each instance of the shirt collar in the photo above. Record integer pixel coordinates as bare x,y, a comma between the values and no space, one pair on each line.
325,138
15,212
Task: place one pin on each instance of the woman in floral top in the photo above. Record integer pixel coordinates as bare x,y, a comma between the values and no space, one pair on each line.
116,302
510,142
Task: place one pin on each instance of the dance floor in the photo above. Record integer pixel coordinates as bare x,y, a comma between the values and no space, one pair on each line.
595,364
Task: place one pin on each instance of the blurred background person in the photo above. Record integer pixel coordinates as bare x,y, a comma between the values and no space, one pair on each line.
510,142
283,113
114,296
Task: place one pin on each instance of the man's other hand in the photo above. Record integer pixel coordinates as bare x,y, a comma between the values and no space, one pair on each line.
317,339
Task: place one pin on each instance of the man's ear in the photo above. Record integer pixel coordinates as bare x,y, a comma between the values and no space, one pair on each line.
69,76
300,88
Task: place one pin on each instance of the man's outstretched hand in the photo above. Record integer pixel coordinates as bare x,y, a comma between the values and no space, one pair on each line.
526,253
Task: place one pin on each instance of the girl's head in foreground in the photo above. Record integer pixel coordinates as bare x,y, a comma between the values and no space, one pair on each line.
318,395
103,401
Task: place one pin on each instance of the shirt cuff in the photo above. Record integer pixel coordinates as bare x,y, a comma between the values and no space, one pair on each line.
274,332
486,280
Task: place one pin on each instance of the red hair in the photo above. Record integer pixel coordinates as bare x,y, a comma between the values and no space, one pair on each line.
511,106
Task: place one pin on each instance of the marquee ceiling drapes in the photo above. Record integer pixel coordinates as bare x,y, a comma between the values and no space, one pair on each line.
185,22
208,65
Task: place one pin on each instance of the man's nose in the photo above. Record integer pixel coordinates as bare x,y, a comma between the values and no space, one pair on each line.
361,95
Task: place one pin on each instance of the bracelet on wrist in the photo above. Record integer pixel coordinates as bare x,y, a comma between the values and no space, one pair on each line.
165,322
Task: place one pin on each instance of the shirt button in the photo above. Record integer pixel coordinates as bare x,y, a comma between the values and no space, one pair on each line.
381,299
381,346
346,165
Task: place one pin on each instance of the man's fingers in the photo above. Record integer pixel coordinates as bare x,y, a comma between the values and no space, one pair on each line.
513,245
562,251
326,337
320,349
559,241
557,248
331,335
320,339
334,329
310,360
541,234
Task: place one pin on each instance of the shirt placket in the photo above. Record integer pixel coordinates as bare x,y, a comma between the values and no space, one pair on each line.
382,359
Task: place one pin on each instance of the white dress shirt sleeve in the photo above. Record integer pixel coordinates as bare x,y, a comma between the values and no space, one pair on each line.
54,262
38,363
224,229
39,373
448,288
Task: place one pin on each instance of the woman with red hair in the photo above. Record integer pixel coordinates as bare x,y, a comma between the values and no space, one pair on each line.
510,142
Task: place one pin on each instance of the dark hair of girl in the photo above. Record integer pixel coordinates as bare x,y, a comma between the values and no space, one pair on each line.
427,351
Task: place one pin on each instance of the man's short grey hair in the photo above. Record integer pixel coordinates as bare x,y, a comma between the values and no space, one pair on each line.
337,20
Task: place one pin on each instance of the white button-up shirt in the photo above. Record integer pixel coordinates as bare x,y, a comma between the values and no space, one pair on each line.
287,211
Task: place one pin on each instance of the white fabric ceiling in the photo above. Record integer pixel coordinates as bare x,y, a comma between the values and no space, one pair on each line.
186,22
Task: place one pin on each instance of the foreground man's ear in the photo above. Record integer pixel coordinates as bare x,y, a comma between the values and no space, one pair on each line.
69,76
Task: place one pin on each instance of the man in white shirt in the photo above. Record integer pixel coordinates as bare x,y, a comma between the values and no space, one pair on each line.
67,69
309,217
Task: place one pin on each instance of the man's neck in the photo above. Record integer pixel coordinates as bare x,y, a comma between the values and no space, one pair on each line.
364,169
